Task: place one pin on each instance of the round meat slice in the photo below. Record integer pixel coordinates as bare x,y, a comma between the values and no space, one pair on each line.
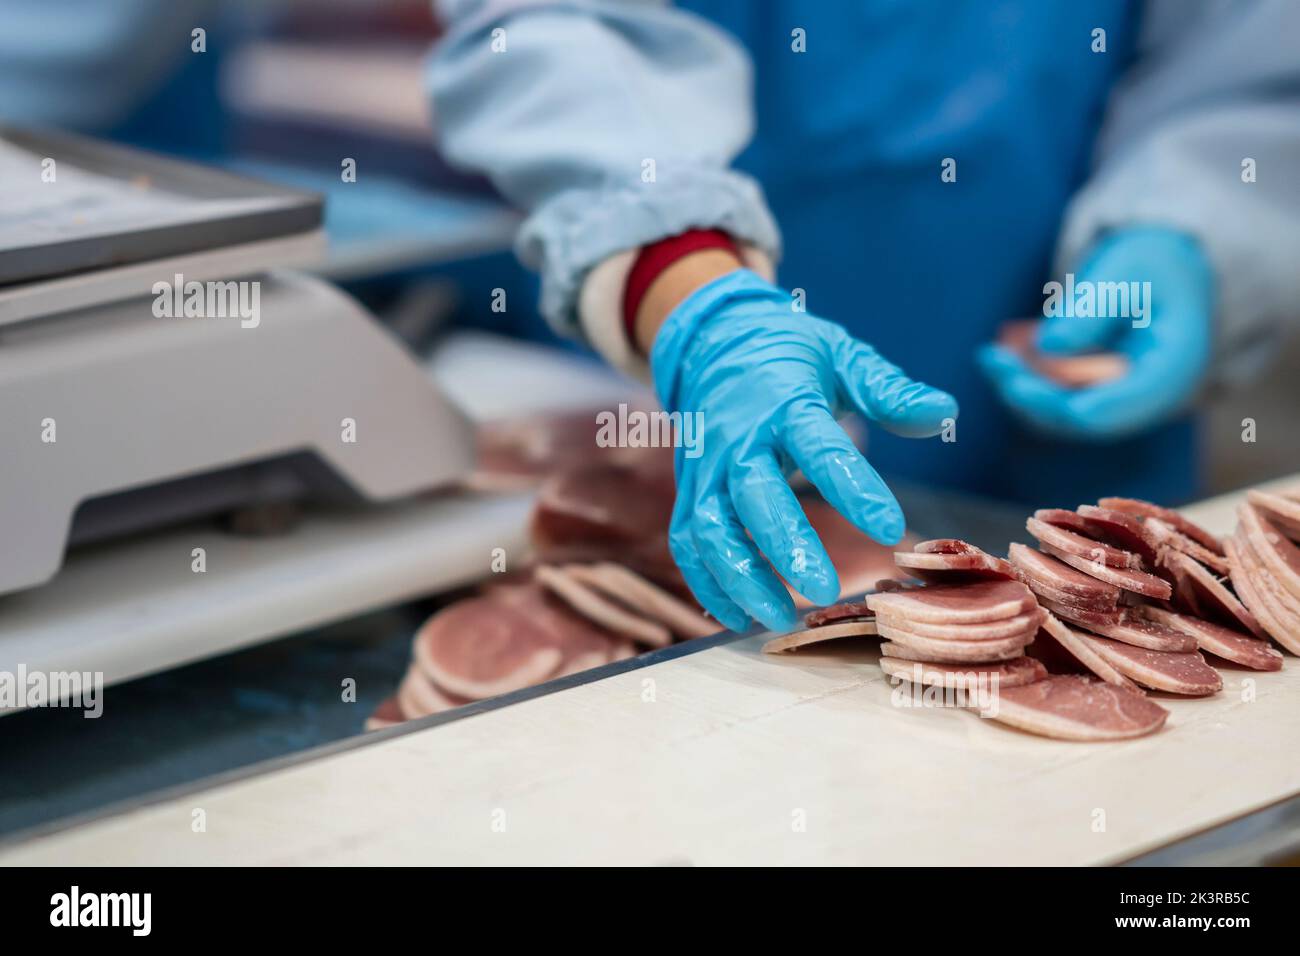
1167,536
904,652
417,697
943,649
1057,581
621,650
639,594
1185,674
1201,590
1012,673
1017,626
1071,707
1074,642
1071,542
1220,641
1145,509
480,647
582,644
387,714
1135,629
1081,370
1282,510
606,511
975,603
845,611
596,608
950,561
1129,579
1085,617
1117,528
815,635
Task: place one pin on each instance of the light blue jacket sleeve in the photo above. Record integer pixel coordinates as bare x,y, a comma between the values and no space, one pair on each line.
1203,135
612,123
86,64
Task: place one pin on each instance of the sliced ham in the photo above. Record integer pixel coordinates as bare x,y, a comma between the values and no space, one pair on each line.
621,650
1205,595
1128,579
609,512
1068,371
948,560
945,649
1071,542
844,611
975,603
480,647
1166,535
635,592
1057,581
387,714
594,607
519,453
1220,641
1282,510
1248,582
1133,628
1082,616
418,697
1071,707
1075,643
1276,553
1145,509
1277,611
1018,626
583,645
1117,528
815,635
1186,674
1012,673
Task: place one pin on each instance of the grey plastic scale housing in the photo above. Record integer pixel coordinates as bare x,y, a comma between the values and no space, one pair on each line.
111,399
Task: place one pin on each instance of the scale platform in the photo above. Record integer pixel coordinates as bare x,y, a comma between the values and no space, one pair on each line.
137,441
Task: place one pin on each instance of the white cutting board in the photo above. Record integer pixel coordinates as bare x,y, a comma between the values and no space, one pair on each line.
135,607
728,756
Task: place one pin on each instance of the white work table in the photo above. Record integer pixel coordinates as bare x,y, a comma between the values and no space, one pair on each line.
728,756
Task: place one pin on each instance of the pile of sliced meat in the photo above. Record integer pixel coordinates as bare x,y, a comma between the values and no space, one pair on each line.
1263,565
601,585
513,635
1135,596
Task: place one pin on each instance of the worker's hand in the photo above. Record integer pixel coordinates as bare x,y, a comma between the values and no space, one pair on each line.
1168,348
767,383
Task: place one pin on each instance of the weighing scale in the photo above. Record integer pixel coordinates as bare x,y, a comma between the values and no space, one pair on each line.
134,443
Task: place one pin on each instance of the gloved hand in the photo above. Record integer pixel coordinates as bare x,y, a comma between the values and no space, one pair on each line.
769,382
1167,358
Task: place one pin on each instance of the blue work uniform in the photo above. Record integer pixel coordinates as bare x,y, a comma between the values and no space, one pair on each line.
849,157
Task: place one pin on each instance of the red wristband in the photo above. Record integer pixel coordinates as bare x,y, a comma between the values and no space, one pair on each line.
657,257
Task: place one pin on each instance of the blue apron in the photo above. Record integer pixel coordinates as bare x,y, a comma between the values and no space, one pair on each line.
851,137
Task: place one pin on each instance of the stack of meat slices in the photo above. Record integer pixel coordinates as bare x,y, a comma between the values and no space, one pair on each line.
968,630
1264,564
512,636
1113,577
1219,611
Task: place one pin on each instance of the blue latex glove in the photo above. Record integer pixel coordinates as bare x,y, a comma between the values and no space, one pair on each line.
1167,358
769,383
